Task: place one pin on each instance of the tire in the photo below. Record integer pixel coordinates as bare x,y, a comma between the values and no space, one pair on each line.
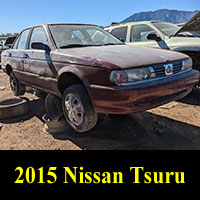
17,88
55,127
13,107
53,105
78,109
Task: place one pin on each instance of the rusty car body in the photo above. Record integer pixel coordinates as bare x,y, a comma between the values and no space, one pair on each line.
183,38
94,72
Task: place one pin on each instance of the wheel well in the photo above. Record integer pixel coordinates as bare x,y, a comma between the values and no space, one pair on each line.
66,80
8,69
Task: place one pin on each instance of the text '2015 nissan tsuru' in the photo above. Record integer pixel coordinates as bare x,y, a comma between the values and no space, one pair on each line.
94,72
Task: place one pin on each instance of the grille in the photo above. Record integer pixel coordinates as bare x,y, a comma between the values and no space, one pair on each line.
160,70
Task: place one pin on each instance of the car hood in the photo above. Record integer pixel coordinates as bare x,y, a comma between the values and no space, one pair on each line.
183,44
118,56
192,25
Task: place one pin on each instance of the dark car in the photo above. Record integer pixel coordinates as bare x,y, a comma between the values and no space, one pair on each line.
94,72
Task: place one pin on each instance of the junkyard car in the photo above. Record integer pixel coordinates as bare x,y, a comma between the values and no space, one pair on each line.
157,34
94,72
5,45
1,49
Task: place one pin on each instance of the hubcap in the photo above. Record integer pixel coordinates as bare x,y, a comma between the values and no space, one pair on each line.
74,109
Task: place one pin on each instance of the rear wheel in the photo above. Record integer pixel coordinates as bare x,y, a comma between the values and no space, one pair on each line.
17,88
78,109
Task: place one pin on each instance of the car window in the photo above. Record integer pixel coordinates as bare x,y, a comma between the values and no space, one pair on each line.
140,32
98,36
67,36
120,33
16,43
171,29
23,39
77,34
38,35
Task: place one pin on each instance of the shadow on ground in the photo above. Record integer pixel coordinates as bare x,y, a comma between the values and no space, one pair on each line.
139,131
193,98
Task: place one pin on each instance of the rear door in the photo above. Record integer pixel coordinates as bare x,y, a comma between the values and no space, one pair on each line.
17,55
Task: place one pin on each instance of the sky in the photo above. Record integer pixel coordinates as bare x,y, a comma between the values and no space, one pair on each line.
16,15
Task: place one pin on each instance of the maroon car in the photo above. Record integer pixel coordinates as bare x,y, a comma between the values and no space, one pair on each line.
94,72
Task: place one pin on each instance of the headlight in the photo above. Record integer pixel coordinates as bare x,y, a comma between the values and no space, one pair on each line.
187,63
138,74
130,75
118,77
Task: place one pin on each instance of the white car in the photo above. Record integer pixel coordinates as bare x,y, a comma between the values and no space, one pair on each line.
157,34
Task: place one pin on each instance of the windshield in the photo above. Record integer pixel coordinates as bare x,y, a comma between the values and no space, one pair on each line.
171,29
69,36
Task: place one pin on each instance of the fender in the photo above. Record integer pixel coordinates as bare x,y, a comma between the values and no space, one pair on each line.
78,72
185,48
73,69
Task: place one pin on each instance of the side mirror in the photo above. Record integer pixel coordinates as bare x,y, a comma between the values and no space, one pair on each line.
153,36
40,46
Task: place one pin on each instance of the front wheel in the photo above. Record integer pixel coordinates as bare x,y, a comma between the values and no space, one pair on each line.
78,109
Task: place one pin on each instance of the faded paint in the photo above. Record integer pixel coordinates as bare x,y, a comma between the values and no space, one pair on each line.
116,57
92,66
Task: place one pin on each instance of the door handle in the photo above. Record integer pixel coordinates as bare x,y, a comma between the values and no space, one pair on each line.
9,54
26,55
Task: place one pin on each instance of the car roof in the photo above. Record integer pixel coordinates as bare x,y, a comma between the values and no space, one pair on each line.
82,24
47,24
131,23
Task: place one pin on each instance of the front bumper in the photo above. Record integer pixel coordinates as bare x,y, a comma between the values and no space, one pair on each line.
142,96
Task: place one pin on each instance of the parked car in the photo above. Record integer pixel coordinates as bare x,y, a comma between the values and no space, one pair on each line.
6,44
9,41
94,72
156,34
1,49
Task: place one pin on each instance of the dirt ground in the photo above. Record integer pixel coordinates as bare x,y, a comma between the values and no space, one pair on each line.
170,127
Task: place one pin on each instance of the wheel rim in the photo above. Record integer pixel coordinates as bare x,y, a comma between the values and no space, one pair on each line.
74,109
13,84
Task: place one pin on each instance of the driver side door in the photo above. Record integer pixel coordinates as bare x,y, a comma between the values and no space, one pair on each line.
138,36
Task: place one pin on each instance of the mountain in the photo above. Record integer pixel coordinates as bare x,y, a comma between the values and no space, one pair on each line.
173,16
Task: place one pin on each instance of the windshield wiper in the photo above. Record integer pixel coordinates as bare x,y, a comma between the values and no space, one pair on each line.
87,45
74,45
107,44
